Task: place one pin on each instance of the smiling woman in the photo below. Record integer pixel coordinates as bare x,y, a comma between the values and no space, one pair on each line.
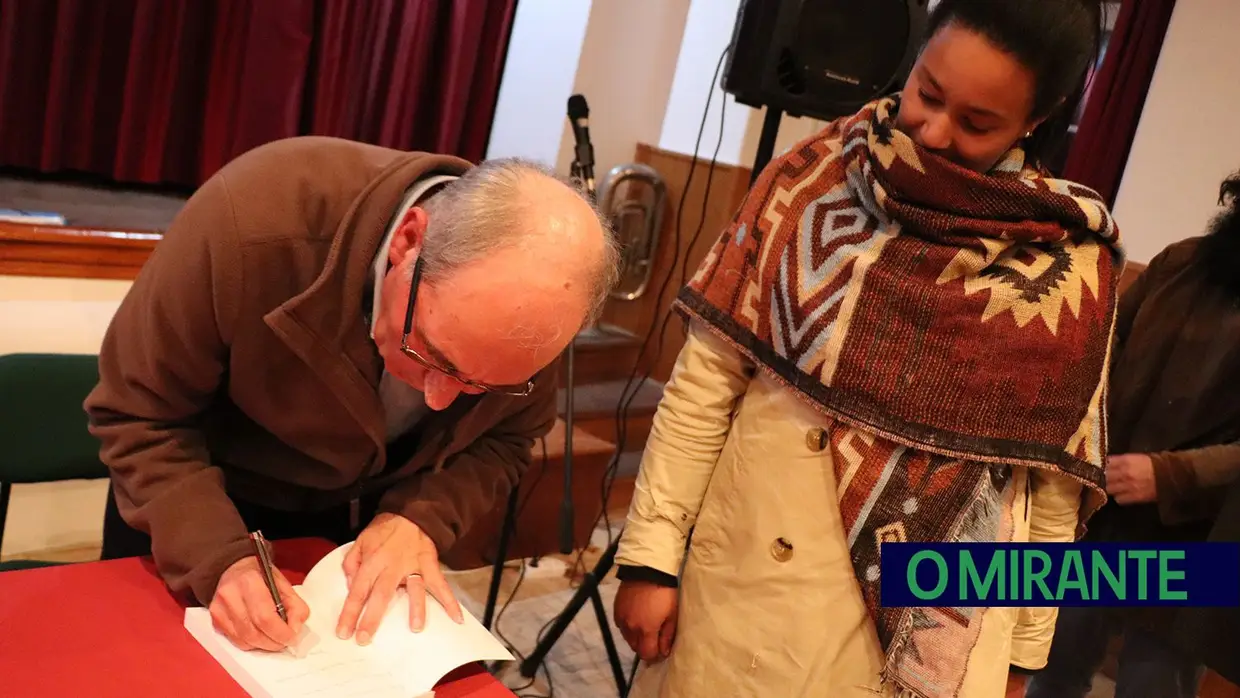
984,107
868,358
990,76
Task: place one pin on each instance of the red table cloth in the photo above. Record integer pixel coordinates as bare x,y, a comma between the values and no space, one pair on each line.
113,629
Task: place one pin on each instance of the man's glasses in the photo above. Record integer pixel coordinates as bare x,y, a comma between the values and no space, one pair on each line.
519,390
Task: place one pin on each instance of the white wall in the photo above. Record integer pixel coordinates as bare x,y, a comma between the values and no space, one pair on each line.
56,315
1188,139
62,316
626,71
544,50
644,67
708,29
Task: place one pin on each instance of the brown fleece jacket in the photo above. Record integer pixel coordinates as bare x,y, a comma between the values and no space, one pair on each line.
240,366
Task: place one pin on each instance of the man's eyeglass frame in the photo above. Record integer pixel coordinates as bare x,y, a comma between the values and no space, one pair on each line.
518,390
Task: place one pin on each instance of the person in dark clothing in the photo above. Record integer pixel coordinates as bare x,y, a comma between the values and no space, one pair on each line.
1175,444
1209,633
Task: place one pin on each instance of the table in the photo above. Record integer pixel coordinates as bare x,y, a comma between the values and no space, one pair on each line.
112,628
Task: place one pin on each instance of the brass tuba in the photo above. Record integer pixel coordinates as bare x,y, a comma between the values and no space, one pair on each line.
633,198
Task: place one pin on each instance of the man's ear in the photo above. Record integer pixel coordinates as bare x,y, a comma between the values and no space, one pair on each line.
408,236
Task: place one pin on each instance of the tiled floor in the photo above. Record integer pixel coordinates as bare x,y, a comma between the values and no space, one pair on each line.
577,662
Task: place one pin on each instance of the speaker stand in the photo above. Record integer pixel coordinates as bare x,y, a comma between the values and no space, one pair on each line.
766,142
586,593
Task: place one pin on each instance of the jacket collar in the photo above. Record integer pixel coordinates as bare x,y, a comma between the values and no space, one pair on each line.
325,324
420,190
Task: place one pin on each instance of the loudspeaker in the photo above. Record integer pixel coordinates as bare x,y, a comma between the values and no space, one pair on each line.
822,58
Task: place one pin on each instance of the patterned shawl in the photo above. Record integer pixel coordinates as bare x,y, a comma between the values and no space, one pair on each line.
965,318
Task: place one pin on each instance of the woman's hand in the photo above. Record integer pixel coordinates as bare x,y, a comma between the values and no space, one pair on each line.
391,551
1130,478
646,615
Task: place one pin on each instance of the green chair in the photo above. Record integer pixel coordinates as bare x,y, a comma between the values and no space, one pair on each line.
43,434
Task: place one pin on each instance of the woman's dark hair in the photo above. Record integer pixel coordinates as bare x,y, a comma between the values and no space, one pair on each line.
1219,251
1057,40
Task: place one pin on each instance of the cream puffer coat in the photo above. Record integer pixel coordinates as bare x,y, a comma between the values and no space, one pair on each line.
769,604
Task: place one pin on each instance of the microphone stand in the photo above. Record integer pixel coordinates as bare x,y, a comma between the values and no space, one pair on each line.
588,591
566,504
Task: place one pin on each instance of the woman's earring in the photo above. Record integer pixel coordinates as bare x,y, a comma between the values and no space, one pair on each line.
1029,134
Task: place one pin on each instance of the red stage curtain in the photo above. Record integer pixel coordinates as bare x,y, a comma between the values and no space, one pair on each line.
167,91
1116,96
256,77
410,74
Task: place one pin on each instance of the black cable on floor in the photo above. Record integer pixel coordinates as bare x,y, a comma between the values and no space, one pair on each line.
521,574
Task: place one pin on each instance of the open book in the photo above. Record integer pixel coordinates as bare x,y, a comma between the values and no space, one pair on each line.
398,663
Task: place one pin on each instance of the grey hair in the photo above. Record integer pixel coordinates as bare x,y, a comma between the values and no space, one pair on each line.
481,212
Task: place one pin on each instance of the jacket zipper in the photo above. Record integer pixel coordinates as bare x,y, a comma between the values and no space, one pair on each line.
355,502
355,505
1028,492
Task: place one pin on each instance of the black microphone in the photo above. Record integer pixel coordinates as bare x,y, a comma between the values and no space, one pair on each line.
583,168
579,117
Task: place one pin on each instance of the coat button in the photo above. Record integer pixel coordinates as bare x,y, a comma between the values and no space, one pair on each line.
781,549
816,439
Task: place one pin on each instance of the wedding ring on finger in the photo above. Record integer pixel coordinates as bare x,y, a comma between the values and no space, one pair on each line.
415,577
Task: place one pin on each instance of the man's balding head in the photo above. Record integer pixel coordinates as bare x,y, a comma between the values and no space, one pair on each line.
515,261
518,207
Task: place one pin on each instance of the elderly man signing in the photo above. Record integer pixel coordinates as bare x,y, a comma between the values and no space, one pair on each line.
339,340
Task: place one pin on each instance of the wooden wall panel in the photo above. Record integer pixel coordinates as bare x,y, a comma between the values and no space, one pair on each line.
35,250
541,491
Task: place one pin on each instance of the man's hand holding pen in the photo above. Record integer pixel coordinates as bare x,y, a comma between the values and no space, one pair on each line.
256,608
243,611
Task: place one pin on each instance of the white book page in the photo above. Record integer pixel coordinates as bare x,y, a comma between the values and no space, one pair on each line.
332,668
419,660
398,663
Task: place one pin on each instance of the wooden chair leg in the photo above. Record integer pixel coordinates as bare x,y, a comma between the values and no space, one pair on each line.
5,490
